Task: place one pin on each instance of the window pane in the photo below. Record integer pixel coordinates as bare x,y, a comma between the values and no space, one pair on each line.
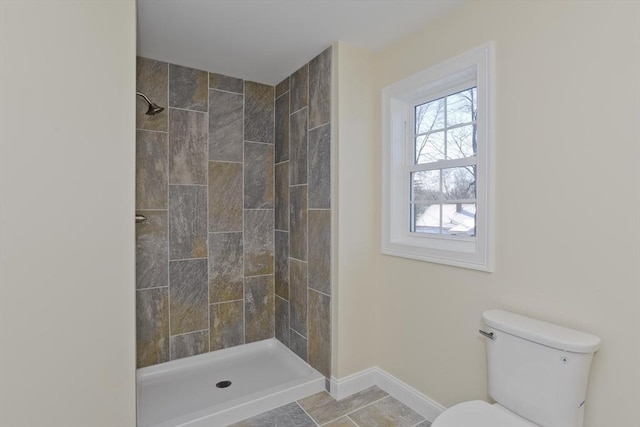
461,107
461,142
426,219
429,148
430,116
425,185
459,183
459,219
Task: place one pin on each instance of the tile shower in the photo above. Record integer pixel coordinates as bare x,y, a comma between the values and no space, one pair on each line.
234,179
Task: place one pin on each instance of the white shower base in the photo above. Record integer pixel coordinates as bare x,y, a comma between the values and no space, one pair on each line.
264,376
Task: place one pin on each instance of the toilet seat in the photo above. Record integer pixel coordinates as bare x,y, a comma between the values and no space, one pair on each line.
477,413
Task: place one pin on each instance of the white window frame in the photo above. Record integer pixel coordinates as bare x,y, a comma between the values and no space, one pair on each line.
474,67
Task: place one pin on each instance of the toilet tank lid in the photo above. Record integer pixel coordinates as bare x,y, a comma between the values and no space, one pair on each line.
541,332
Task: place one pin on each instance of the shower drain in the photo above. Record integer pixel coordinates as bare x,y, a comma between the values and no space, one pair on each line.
223,384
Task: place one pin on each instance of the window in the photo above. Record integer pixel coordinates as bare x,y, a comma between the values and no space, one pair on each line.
437,163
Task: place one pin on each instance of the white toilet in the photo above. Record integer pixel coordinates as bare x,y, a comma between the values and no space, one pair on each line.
537,375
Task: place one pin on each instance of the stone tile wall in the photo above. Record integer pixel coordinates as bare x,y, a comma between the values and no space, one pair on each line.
303,212
205,182
234,178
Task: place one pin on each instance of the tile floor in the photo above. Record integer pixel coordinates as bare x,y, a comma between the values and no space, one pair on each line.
369,408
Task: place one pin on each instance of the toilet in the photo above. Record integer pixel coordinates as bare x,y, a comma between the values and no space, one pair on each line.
538,375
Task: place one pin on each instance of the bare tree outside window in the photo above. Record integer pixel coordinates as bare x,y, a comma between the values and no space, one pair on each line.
445,129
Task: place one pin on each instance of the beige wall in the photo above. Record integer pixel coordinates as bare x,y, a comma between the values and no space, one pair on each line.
357,214
66,213
567,191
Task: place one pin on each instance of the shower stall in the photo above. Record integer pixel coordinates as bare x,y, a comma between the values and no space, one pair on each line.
233,242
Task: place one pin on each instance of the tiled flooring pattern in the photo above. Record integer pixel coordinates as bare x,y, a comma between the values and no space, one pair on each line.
369,408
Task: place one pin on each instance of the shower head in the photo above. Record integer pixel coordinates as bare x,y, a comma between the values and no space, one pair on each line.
153,107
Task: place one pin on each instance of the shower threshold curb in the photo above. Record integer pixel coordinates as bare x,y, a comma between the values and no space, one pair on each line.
307,381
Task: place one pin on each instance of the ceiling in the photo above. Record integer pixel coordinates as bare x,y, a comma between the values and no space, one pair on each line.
267,40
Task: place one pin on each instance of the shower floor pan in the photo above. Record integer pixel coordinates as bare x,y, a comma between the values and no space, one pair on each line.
264,375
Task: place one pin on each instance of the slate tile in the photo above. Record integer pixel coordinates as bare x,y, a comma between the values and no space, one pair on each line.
151,79
320,250
258,176
298,296
152,250
299,88
187,222
188,88
226,324
225,267
226,126
259,112
259,308
225,196
319,163
319,338
187,345
320,89
188,296
282,320
282,128
152,326
187,147
258,242
298,222
386,412
324,408
152,169
223,82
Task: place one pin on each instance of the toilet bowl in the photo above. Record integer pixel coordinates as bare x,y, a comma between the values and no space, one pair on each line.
537,374
478,413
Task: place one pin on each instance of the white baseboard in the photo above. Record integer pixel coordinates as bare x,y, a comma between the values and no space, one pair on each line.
423,405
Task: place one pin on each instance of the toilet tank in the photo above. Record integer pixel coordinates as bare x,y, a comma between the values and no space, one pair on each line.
538,370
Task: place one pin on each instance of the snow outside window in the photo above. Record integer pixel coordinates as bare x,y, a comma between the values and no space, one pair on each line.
437,160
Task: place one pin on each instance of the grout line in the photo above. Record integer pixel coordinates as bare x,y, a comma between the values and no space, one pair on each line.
296,259
275,203
282,162
224,232
168,216
288,190
227,91
224,161
258,209
282,231
152,287
299,185
297,111
365,406
319,126
321,293
419,422
193,111
224,302
189,185
260,275
309,415
187,333
283,299
282,94
166,132
260,142
207,222
291,329
244,296
187,259
307,209
352,420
